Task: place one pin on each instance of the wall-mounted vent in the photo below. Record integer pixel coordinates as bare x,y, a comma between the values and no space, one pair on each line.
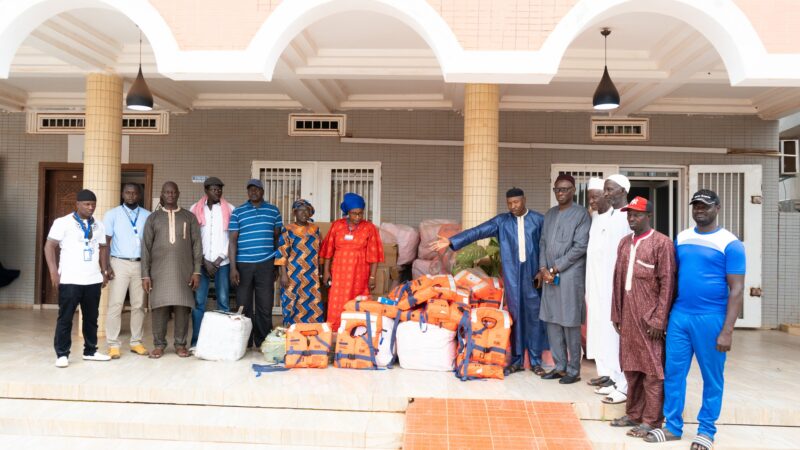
75,123
604,129
317,124
790,157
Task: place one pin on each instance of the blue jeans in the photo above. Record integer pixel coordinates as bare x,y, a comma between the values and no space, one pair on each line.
222,284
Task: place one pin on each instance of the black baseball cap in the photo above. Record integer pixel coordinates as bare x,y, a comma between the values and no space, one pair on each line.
213,181
706,196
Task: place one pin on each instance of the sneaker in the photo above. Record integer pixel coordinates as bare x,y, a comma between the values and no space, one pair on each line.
113,352
62,361
139,349
97,357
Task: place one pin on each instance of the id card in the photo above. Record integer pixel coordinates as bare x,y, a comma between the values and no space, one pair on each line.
348,237
87,254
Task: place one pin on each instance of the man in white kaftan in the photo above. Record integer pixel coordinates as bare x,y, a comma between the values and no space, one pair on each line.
609,226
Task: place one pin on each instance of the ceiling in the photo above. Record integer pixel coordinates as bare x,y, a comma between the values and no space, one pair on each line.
363,60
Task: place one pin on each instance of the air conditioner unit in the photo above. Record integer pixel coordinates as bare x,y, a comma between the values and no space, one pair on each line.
317,124
609,129
790,148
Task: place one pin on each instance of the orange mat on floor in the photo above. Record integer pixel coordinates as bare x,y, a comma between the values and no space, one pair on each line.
454,424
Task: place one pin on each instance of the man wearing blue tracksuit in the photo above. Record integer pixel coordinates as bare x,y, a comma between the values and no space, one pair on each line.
711,268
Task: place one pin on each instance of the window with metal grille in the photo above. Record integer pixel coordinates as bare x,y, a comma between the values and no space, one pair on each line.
730,189
359,181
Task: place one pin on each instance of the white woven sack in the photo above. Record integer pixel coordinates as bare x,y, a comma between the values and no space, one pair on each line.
223,336
426,347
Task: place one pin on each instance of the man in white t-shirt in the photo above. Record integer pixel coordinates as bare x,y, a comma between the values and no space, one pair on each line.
77,276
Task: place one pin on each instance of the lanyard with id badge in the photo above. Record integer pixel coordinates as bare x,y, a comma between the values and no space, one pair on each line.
133,225
88,251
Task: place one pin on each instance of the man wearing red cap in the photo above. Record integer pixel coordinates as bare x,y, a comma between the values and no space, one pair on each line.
644,281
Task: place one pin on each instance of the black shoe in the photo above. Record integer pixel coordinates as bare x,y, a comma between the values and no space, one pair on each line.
552,375
599,381
569,379
514,368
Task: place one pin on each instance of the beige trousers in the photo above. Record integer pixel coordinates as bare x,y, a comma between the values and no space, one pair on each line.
127,277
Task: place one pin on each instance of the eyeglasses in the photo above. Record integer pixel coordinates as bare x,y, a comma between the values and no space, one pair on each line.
561,190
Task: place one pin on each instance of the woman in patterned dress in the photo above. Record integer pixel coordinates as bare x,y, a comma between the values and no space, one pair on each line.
351,252
298,259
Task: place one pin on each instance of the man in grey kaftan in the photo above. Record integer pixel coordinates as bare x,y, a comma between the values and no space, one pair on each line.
562,261
171,257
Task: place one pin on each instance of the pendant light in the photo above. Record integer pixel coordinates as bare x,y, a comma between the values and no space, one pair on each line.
139,97
606,95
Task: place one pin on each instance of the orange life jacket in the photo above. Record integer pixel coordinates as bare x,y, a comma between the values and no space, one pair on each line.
467,279
438,312
483,343
307,345
487,293
358,352
373,306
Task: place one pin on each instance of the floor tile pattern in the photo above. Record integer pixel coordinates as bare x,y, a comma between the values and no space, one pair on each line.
460,424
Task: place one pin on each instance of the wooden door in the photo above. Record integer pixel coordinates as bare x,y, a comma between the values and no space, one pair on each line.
61,186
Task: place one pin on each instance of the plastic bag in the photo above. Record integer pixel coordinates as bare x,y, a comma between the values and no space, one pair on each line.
274,346
407,241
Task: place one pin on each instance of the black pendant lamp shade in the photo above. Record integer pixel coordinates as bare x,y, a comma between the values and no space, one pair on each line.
139,97
606,95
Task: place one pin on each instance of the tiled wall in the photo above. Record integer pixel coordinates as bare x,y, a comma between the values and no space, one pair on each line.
788,267
419,182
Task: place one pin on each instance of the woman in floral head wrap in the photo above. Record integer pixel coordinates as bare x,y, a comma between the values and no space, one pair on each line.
298,259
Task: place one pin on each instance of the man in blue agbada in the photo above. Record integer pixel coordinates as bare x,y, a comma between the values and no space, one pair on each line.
518,231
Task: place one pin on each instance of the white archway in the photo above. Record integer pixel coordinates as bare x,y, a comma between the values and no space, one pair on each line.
292,17
19,18
721,22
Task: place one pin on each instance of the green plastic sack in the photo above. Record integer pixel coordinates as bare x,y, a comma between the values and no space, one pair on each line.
274,346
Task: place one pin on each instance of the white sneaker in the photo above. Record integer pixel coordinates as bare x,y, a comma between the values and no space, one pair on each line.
97,357
62,361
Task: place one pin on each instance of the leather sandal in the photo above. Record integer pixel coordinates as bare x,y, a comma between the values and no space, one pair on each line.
599,381
183,352
156,353
624,421
640,431
538,370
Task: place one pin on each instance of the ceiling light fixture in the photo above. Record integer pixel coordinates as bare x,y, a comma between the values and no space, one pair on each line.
139,97
606,95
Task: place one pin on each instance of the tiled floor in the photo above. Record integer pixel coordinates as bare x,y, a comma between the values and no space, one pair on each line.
457,424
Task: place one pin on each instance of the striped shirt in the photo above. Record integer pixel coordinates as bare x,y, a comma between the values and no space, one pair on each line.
256,227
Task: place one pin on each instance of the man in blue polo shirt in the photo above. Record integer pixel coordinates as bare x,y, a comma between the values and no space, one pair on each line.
254,229
711,269
124,227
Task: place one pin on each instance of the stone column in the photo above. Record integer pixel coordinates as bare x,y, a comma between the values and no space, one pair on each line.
102,159
481,129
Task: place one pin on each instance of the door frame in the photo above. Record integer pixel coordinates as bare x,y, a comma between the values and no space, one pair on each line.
46,166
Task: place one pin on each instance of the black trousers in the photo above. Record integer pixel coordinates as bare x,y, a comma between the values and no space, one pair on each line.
256,293
69,297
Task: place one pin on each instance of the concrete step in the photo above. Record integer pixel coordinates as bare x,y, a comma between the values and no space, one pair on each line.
729,437
10,441
211,424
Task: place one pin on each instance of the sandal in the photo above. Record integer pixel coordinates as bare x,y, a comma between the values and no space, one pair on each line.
702,442
538,370
660,435
605,390
182,352
640,431
624,421
156,353
615,398
599,381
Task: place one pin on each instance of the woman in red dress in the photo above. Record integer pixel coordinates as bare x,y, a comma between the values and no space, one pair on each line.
354,245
